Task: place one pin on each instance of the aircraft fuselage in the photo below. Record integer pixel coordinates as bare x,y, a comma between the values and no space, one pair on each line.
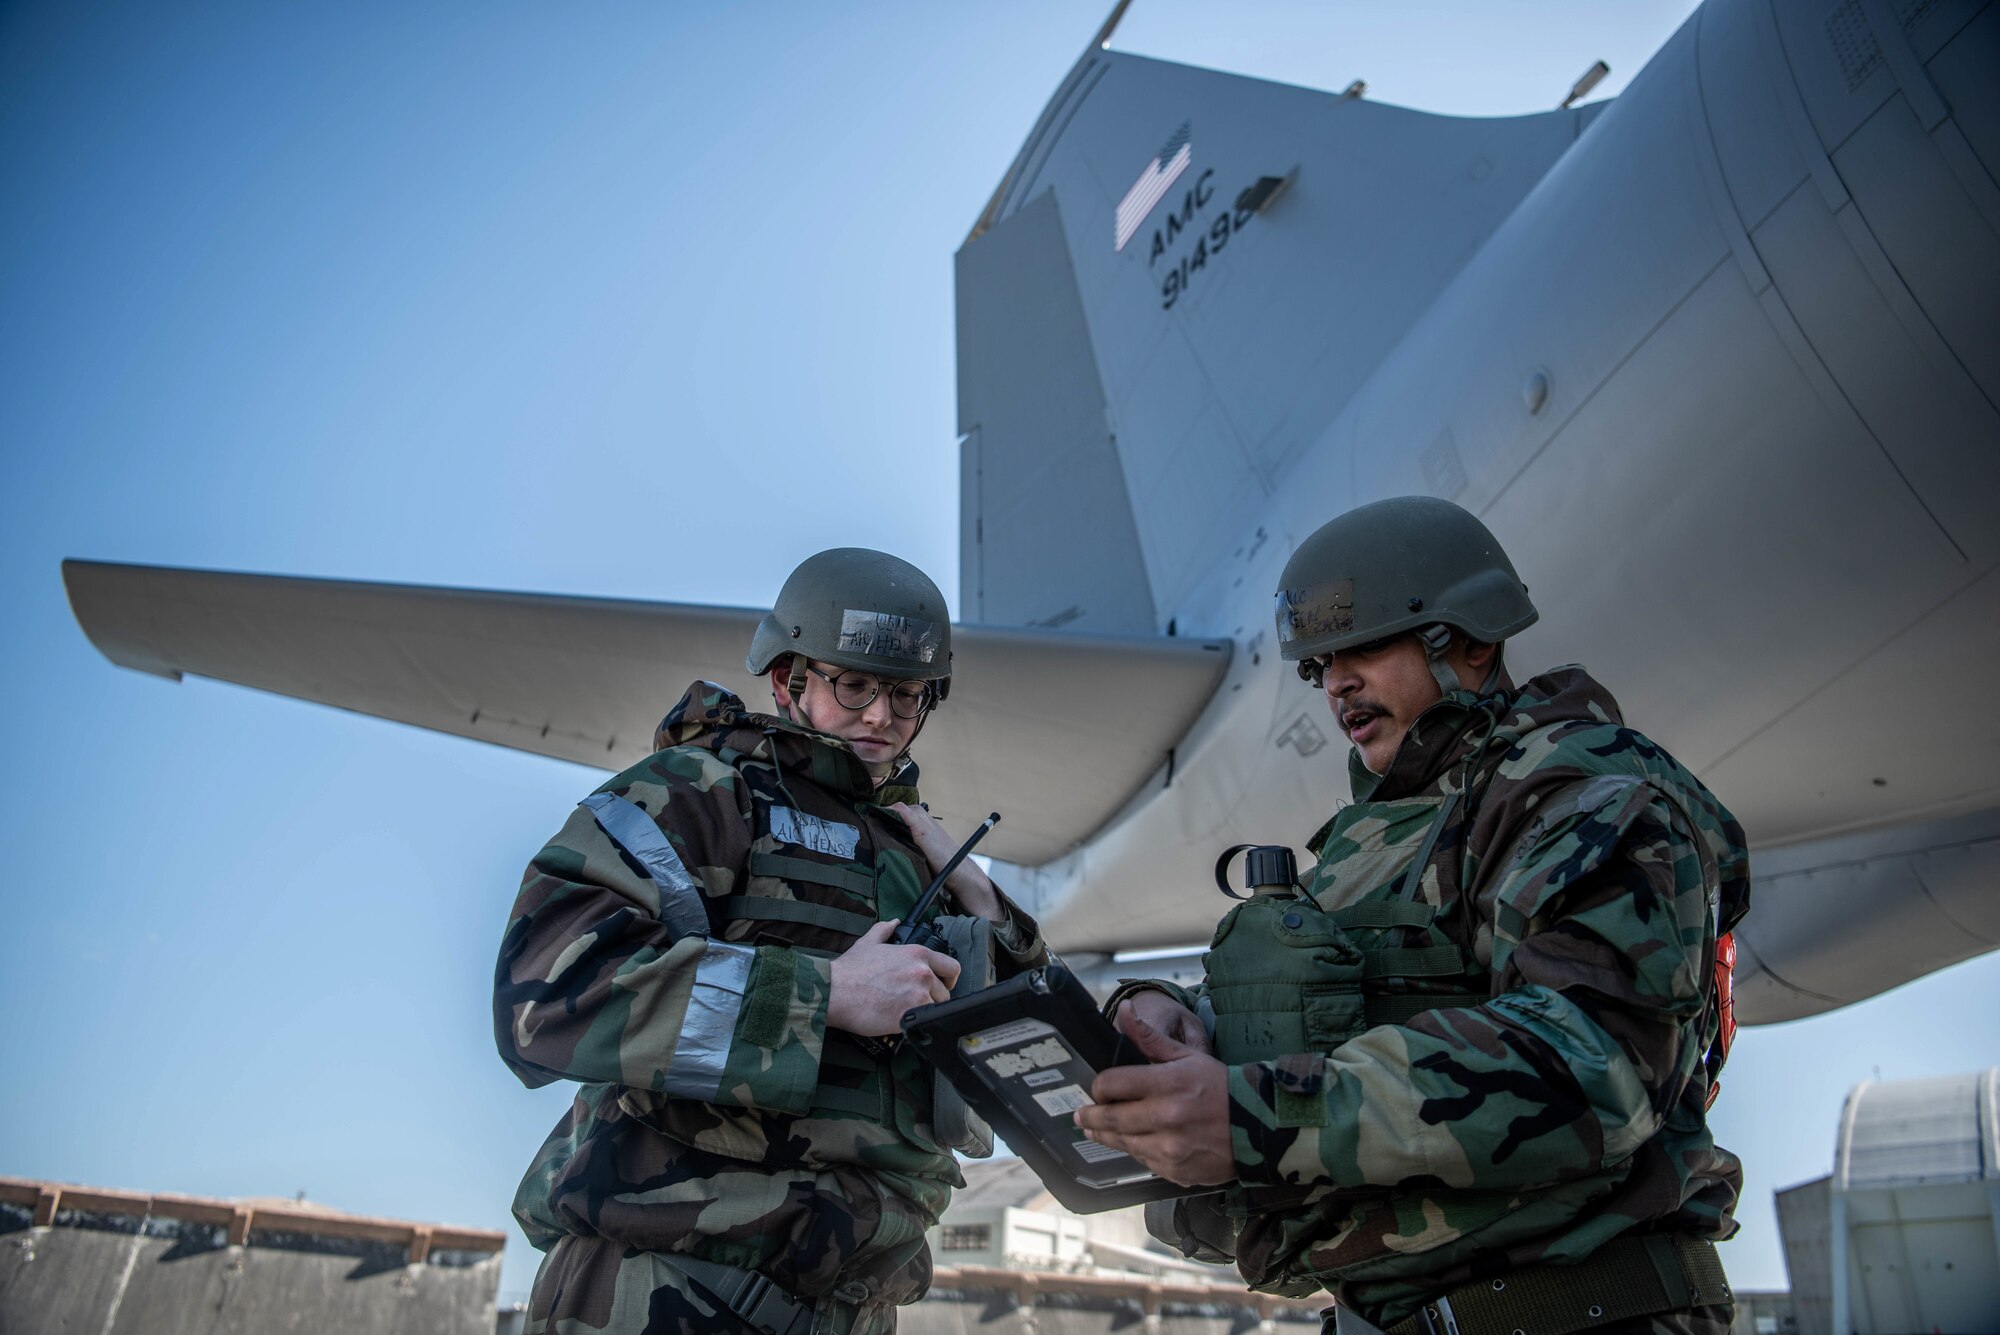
1721,373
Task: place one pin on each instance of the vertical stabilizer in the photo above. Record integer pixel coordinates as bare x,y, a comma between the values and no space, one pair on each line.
1045,534
1184,278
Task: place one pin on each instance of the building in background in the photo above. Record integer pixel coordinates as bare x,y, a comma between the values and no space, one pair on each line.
1005,1219
1758,1312
126,1263
1902,1237
1009,1258
1904,1234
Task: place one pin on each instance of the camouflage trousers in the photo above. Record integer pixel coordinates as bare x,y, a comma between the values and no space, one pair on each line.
593,1286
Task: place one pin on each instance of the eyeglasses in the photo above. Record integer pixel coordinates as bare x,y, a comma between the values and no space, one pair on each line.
857,690
1313,670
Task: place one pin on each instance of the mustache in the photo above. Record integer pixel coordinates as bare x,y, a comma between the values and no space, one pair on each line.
1359,704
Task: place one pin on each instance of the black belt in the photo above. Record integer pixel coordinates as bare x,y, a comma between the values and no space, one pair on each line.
766,1307
1626,1277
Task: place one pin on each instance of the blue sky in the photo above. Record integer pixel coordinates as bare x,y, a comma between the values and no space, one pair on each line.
640,300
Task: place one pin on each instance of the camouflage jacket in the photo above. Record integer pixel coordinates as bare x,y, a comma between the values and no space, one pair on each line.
719,1115
1585,873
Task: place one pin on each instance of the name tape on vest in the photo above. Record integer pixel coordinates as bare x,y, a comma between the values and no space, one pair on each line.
821,836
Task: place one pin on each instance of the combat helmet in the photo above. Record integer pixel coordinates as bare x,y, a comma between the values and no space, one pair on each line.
1410,563
857,608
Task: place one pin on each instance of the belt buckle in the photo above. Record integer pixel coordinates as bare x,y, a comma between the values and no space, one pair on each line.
784,1313
1438,1319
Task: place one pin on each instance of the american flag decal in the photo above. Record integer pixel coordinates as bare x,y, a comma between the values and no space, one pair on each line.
1159,176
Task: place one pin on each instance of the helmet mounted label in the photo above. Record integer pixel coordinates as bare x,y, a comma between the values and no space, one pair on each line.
884,635
1308,614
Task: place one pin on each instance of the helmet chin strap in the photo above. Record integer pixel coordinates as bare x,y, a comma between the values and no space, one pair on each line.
795,687
1437,640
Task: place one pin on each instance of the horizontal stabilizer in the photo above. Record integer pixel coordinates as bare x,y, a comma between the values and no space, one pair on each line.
1029,729
1834,921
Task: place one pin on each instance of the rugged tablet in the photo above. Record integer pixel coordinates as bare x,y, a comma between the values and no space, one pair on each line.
1024,1053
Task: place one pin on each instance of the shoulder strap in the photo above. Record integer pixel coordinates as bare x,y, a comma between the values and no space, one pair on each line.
681,907
1413,880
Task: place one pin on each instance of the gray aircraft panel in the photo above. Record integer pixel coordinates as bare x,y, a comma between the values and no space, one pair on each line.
1839,93
1942,239
1958,70
1745,90
1850,750
1045,533
587,679
1918,405
1186,491
1846,68
1742,604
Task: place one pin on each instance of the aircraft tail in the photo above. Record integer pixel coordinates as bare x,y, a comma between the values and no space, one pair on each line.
1183,278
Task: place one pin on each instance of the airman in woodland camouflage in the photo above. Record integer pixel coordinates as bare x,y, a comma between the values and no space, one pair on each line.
704,946
1460,1080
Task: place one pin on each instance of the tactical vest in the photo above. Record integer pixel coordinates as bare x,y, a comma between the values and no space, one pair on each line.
813,857
1287,975
1364,945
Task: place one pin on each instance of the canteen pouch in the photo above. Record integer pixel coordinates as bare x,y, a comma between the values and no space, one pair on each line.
1283,978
